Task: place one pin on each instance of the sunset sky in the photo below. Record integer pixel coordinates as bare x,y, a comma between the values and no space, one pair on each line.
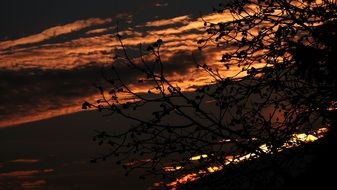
264,100
51,53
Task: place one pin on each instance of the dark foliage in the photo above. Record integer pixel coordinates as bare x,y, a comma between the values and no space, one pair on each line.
286,50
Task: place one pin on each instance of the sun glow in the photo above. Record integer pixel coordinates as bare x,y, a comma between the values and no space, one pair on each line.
198,157
294,141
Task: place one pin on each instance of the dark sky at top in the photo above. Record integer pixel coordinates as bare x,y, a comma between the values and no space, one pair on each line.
20,18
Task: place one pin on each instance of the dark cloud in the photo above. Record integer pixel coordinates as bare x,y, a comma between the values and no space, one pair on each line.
182,61
176,67
31,91
34,90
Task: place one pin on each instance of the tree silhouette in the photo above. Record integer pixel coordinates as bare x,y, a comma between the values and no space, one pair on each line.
286,50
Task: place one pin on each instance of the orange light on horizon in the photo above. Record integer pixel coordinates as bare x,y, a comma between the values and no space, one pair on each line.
295,141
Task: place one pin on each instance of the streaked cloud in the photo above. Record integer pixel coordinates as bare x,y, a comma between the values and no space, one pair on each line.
53,32
34,184
35,94
50,73
24,179
26,161
165,22
97,31
161,4
25,174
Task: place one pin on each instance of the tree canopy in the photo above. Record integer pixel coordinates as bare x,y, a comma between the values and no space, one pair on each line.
286,53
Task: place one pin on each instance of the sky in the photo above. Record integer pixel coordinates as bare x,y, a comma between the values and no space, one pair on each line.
51,57
51,54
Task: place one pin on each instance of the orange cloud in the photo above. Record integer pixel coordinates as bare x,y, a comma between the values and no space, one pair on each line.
53,32
45,113
33,185
27,161
93,47
25,174
97,31
164,22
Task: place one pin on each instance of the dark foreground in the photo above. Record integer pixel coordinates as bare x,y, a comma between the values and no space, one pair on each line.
310,166
55,154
